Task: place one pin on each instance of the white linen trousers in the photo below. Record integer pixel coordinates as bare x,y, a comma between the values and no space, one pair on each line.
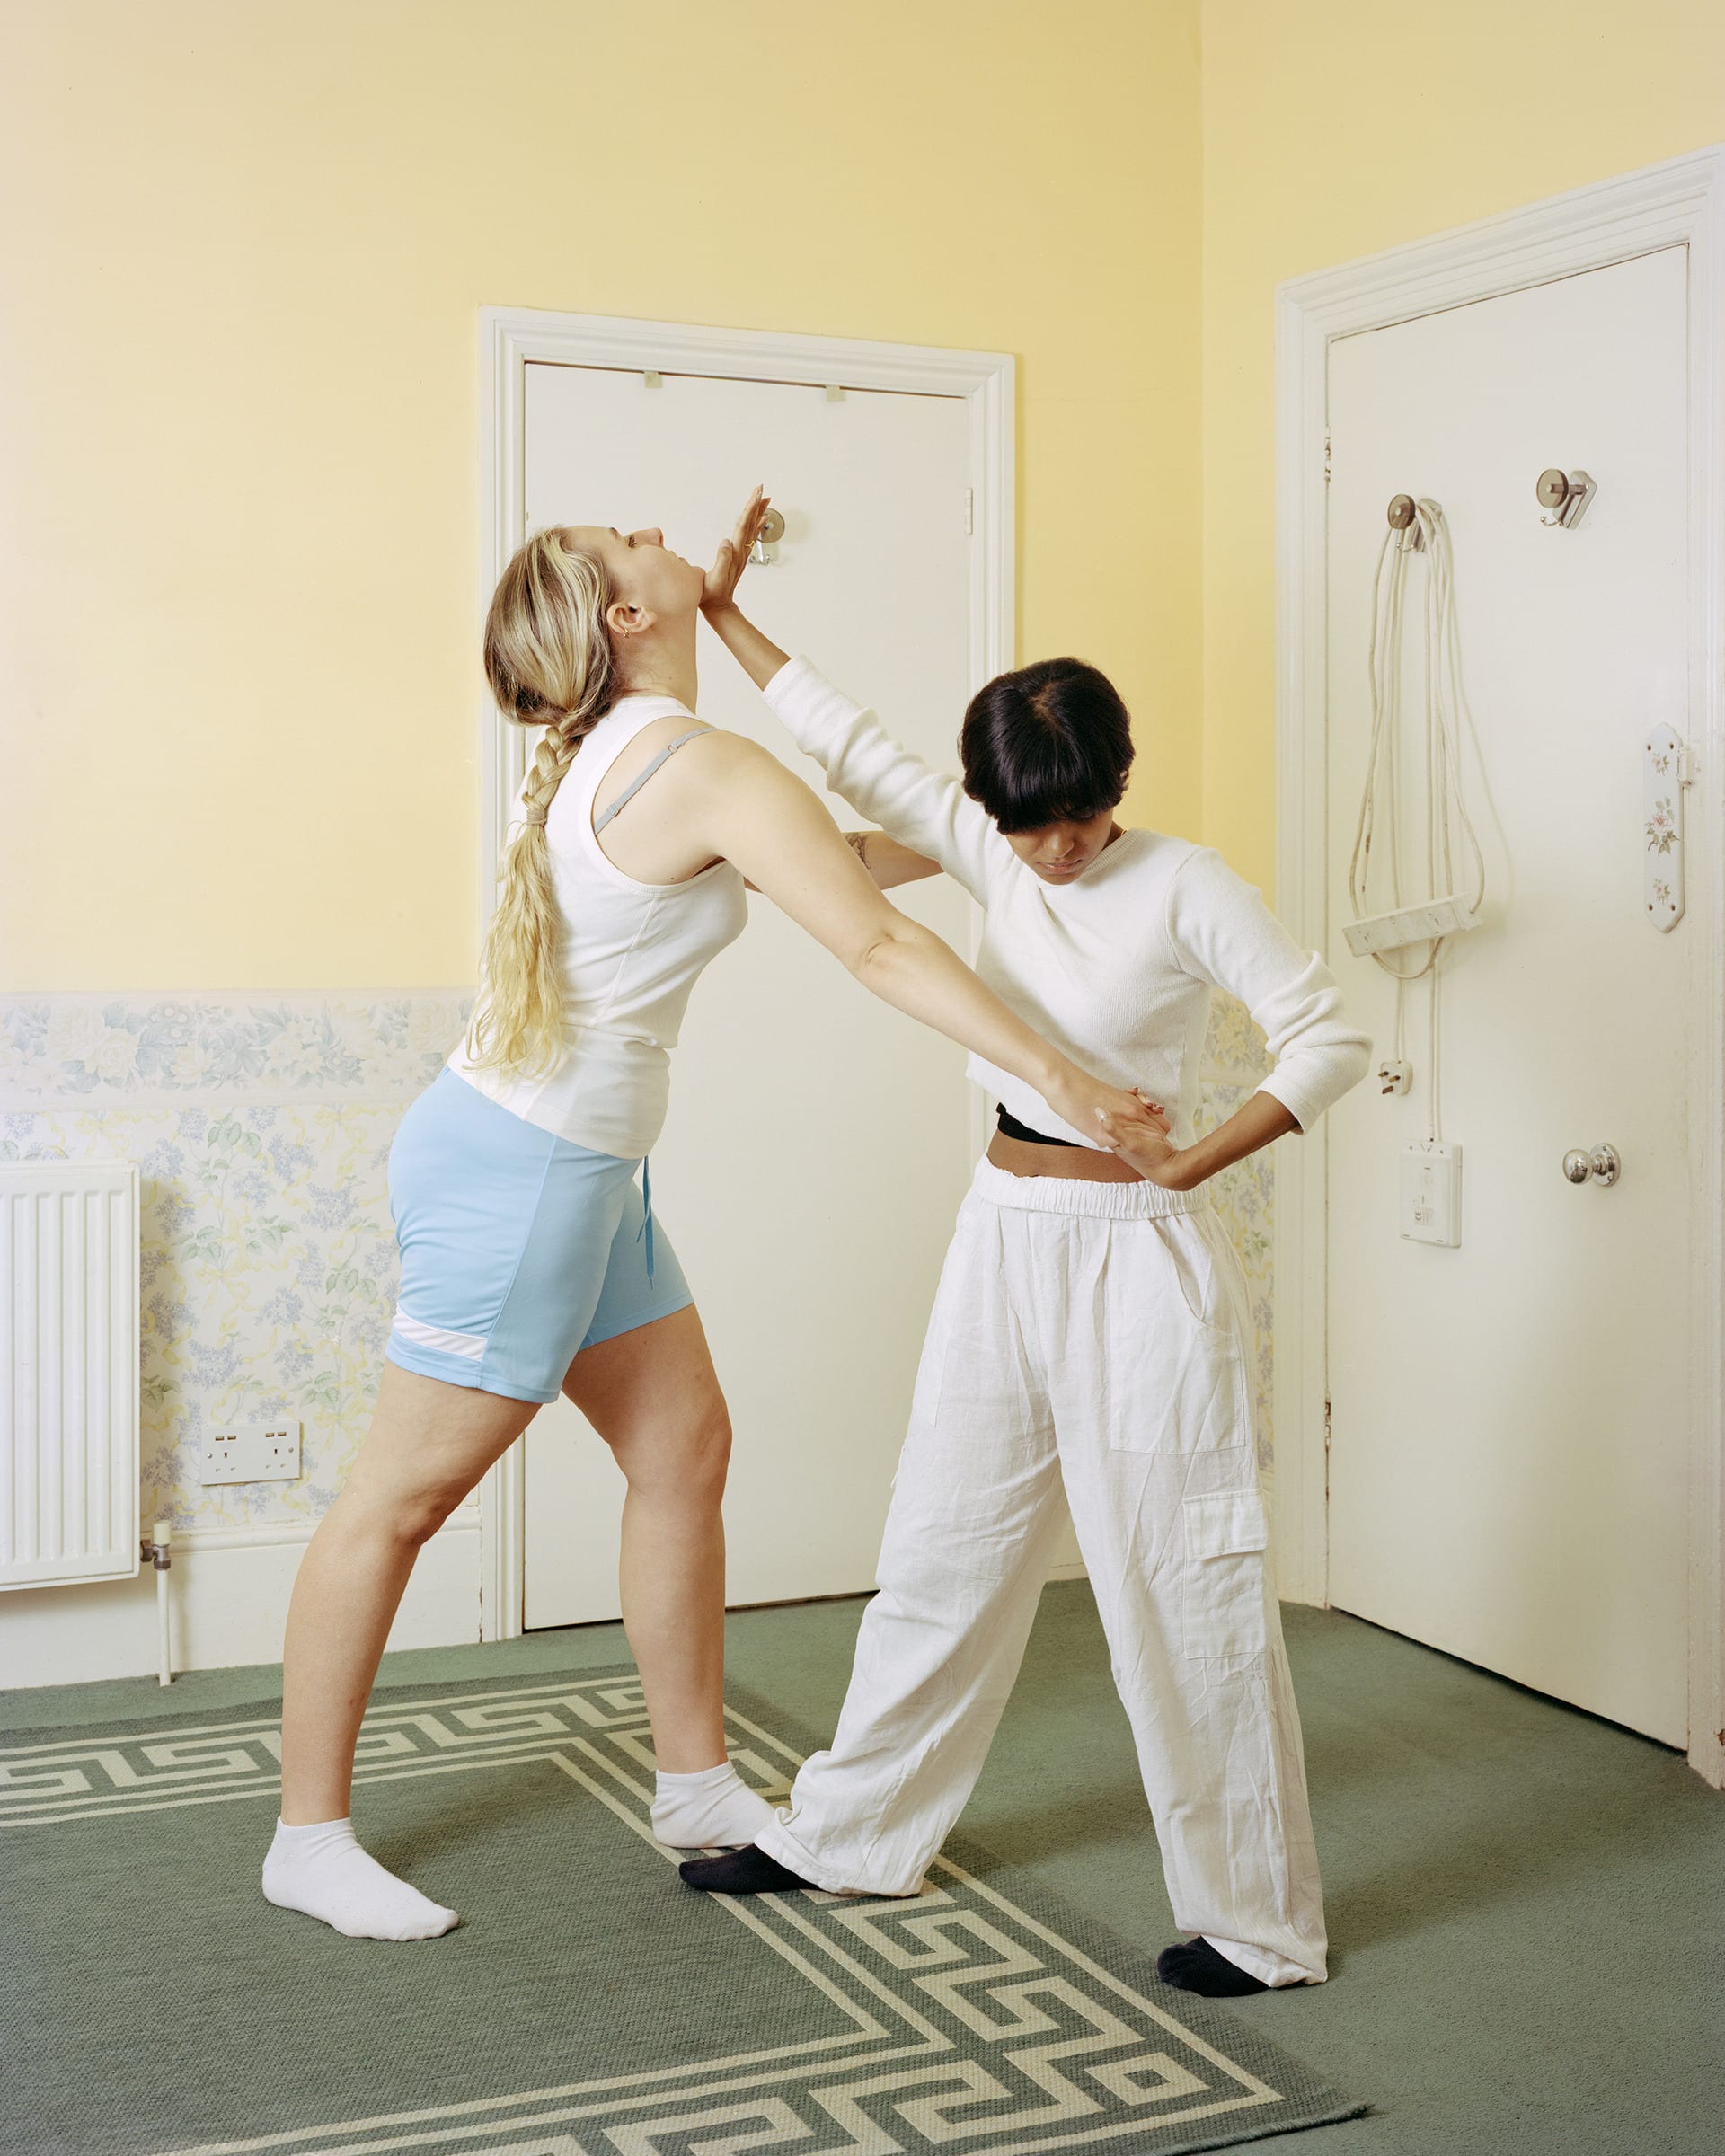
1097,1334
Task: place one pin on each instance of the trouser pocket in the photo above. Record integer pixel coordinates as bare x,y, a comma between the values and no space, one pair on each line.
1225,1534
1168,1349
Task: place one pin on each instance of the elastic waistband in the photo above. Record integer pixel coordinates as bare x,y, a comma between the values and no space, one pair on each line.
1097,1201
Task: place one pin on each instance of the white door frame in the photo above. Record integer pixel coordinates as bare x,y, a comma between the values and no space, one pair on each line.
512,337
1680,203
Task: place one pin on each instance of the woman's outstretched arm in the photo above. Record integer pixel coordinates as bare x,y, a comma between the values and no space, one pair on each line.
925,812
746,805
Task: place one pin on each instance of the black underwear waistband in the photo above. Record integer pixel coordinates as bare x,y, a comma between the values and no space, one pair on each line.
1010,1127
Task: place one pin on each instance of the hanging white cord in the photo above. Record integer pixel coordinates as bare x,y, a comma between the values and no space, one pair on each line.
1447,817
1384,630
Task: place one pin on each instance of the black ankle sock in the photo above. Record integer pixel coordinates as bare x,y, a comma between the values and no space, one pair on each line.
1195,1966
748,1870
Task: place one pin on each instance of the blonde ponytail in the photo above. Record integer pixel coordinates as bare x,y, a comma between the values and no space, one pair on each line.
549,662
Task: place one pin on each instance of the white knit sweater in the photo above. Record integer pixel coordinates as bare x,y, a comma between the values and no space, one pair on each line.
1115,968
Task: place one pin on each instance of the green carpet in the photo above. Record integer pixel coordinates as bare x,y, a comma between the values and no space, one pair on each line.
1527,1905
588,2005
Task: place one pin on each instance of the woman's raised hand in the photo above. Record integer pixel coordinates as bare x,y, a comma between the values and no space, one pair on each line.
732,558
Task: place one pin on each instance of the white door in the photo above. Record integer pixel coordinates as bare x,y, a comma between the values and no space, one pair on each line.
1510,1418
819,1144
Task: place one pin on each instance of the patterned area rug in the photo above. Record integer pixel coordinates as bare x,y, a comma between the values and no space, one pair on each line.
588,2005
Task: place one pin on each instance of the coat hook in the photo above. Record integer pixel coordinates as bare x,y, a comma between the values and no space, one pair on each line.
1567,492
766,549
1401,516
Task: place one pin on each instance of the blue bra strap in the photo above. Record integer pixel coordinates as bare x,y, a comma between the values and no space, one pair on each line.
635,785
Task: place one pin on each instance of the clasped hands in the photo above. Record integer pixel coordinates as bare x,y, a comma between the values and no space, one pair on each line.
1140,1135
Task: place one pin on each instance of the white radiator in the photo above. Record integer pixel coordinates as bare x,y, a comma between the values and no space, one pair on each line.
68,1372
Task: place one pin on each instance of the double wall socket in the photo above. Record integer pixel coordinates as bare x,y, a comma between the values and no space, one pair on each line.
253,1451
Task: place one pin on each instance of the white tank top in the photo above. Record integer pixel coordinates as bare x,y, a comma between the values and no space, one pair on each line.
630,952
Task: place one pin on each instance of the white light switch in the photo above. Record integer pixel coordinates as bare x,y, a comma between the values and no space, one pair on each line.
1431,1193
253,1451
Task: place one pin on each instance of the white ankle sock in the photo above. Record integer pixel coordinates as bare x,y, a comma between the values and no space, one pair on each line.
323,1870
714,1809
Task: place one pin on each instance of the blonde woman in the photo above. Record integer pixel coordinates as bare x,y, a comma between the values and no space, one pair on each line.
529,1259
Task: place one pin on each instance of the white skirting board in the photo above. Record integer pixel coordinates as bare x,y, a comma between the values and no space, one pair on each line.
230,1607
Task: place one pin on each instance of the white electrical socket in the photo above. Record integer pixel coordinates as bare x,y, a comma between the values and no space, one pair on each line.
253,1451
1395,1075
1431,1193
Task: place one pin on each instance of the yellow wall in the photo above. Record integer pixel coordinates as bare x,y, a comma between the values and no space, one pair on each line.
239,378
246,251
1339,128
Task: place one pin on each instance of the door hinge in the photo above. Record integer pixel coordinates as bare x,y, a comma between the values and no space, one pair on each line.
969,511
1326,1426
1686,766
1326,460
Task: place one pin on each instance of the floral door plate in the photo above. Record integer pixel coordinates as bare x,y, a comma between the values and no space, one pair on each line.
1663,778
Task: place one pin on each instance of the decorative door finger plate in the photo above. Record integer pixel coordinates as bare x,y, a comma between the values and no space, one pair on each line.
1662,825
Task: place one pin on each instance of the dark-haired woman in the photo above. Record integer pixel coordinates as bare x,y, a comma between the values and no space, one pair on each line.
1092,1328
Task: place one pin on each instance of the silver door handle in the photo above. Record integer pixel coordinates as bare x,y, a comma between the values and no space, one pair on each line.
1602,1165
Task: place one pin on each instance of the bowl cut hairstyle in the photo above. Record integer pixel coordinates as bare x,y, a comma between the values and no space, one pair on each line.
1050,744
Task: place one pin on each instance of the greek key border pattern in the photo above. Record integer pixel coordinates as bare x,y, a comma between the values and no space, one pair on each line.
968,2024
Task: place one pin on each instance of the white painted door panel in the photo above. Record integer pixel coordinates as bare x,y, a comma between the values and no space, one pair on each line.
1508,1421
818,1144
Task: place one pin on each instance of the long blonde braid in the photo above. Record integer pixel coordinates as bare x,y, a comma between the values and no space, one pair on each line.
548,661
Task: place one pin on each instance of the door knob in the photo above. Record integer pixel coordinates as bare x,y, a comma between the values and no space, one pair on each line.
1602,1165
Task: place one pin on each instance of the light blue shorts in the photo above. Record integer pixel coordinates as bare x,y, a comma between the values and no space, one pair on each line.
518,1249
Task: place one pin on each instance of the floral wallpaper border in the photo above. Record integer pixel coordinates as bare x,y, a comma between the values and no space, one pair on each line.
144,1050
261,1126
